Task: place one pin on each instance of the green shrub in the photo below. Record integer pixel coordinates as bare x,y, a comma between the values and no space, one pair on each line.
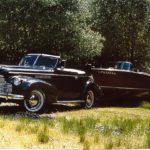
145,105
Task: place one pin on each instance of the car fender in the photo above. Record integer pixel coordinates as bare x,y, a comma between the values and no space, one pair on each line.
26,84
97,90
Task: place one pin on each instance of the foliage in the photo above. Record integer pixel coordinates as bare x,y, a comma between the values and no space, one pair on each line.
125,25
73,29
47,26
145,105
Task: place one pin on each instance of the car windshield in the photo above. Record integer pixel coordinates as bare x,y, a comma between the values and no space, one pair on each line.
46,61
28,60
39,61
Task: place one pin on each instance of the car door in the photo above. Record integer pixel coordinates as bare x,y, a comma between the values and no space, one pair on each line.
69,85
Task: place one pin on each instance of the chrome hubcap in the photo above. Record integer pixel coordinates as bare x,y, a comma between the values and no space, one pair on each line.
35,101
90,98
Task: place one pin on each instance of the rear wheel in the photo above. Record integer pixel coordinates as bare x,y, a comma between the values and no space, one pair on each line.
89,98
36,101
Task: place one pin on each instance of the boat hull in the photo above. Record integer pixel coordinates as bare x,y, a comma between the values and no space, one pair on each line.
121,82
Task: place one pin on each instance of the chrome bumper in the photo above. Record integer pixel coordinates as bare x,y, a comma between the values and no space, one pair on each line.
11,96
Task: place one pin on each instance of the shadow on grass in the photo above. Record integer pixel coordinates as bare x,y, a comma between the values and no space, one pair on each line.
9,108
121,102
127,102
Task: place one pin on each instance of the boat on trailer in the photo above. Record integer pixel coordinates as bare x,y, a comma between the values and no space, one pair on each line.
120,79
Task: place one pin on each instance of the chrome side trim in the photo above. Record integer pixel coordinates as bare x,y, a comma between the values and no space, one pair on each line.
44,55
125,88
46,74
11,96
31,70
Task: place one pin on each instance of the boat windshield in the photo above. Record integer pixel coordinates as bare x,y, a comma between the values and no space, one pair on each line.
121,65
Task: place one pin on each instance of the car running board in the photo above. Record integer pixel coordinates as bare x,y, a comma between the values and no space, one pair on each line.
70,101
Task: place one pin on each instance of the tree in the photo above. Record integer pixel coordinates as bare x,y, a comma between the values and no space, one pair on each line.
47,26
125,25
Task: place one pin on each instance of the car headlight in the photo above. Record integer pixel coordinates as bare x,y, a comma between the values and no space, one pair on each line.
17,81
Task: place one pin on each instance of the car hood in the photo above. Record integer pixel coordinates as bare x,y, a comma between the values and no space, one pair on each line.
19,69
10,68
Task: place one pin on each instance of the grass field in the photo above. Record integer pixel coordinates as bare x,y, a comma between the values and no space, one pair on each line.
99,128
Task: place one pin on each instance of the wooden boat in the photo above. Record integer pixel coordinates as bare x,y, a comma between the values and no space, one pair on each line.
119,79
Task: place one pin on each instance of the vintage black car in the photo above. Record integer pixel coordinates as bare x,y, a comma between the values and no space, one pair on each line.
42,79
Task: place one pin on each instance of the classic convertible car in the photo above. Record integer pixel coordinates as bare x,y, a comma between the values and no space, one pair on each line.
118,79
42,79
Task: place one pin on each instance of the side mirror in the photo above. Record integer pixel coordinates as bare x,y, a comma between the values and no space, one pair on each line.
88,67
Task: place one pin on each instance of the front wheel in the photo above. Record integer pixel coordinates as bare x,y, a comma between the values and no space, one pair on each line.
36,101
89,98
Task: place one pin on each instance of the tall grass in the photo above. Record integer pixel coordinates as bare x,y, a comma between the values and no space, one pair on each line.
43,135
147,144
78,126
118,132
105,130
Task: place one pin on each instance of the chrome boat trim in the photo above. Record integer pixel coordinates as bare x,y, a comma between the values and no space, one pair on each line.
124,88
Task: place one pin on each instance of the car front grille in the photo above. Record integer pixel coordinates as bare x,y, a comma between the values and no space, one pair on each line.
2,79
4,86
